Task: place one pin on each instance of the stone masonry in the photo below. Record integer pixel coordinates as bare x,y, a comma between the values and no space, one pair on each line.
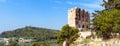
79,18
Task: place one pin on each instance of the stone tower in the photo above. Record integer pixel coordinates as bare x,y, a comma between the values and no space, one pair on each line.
79,18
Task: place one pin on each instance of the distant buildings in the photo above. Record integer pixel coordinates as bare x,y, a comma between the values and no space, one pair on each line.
6,41
22,40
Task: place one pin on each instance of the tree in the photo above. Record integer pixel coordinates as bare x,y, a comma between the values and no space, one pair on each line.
13,43
111,4
2,44
29,32
68,34
107,22
39,44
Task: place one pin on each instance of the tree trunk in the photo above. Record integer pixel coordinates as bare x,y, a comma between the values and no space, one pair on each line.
65,43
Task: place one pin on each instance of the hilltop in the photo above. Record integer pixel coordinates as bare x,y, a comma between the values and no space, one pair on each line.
31,32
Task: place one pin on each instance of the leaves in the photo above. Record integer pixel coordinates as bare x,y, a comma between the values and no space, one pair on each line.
108,22
111,4
31,32
68,34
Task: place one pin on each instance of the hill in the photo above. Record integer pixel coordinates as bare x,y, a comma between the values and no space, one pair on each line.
31,32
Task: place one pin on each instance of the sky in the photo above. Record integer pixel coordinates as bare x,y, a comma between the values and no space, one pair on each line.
50,14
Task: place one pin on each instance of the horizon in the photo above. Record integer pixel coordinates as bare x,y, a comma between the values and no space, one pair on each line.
20,13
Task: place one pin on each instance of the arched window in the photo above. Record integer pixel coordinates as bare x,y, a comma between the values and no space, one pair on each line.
79,26
76,22
87,27
76,18
83,26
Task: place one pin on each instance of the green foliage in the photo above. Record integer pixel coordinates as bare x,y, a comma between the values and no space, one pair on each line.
107,22
43,43
111,4
40,44
13,43
36,44
2,43
43,36
86,41
68,34
31,32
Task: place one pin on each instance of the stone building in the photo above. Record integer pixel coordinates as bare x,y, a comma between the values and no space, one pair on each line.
79,18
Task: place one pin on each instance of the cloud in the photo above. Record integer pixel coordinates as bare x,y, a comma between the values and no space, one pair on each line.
106,0
58,2
69,2
72,3
88,5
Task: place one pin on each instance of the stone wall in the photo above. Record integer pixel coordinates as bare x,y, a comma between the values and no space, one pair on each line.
79,18
114,43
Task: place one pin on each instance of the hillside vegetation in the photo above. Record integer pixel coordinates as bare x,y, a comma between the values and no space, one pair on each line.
31,32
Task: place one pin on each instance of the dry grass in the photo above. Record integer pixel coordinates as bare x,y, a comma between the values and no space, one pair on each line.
113,39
